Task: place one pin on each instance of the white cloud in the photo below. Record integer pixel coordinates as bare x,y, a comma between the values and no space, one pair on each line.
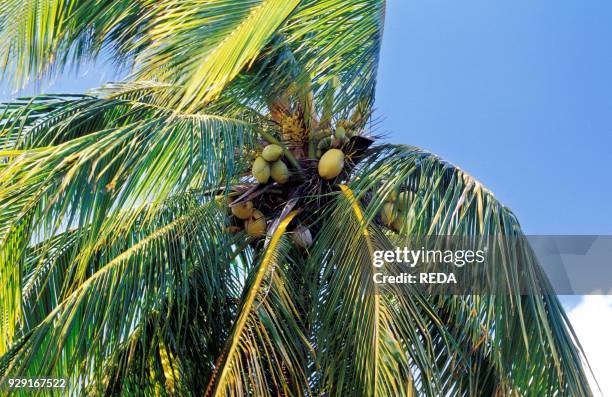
592,321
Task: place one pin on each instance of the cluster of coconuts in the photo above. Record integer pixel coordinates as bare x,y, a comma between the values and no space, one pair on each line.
269,164
255,224
394,210
254,220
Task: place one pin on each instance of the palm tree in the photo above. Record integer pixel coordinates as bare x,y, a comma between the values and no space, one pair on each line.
125,270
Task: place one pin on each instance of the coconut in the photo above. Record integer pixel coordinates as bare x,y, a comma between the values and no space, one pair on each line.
325,143
272,152
255,226
279,172
340,133
388,214
403,201
243,210
261,170
331,164
302,237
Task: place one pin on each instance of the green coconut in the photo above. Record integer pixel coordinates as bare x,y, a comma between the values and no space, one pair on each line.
325,143
388,214
255,226
243,210
340,133
272,152
279,172
261,170
331,164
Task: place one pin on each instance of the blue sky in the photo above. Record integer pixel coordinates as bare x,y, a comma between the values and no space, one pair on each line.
517,93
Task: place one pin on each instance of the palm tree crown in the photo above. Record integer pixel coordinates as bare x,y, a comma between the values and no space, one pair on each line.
207,226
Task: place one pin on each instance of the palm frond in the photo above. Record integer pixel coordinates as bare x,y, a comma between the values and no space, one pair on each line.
446,201
265,342
383,335
327,50
38,35
210,44
92,163
138,156
228,36
338,40
133,281
11,277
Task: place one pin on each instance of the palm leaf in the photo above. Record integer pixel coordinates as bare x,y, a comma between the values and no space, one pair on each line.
447,201
134,281
339,39
36,35
261,344
381,336
131,150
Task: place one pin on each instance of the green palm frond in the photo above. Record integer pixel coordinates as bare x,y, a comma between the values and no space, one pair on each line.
265,342
66,143
113,140
39,35
326,49
144,272
209,44
226,38
357,323
448,201
339,39
11,276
